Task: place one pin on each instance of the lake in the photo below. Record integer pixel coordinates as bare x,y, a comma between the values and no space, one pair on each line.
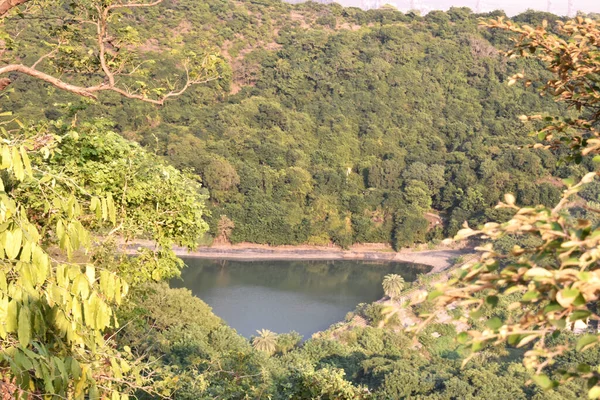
284,296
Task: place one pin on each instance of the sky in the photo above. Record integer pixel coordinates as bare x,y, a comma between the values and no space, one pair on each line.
511,7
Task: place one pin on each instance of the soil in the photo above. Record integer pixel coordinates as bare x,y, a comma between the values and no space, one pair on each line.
440,258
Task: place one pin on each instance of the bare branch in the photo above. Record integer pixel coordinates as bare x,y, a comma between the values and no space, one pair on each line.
42,58
132,5
91,90
85,92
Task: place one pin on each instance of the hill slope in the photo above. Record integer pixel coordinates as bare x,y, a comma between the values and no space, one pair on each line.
338,125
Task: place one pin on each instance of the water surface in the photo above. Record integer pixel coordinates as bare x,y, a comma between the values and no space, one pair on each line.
283,296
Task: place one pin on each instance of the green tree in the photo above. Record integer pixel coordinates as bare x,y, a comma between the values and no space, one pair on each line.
265,341
393,284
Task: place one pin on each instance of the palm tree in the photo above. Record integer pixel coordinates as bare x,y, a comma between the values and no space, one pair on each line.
393,284
265,341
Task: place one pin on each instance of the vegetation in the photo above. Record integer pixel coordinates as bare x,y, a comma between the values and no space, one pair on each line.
265,341
360,129
393,284
554,279
314,124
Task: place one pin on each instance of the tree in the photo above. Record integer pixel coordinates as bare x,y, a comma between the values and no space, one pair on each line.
265,341
67,190
393,284
556,280
87,43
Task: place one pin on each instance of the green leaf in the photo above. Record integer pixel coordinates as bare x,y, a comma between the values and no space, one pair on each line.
579,315
17,164
111,208
552,307
462,337
26,161
94,394
492,300
559,323
585,341
543,381
494,323
11,316
531,295
434,294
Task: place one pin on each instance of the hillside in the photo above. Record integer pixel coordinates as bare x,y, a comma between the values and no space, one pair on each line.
335,125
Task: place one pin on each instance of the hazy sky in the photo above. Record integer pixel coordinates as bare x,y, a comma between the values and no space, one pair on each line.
511,7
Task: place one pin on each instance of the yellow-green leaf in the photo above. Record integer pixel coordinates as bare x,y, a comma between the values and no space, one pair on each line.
24,328
17,164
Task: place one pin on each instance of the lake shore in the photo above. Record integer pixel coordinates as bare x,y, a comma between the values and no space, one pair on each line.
439,259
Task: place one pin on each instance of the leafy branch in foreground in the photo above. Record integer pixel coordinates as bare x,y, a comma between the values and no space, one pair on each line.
92,50
558,280
58,293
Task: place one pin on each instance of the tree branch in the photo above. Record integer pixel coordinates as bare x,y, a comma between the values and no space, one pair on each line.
102,33
82,91
91,90
7,5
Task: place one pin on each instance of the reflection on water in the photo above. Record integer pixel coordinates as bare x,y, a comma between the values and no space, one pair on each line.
305,296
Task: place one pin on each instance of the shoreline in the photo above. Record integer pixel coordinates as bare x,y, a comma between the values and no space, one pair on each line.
439,260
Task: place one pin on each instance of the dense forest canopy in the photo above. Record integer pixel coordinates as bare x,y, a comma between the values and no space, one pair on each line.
331,124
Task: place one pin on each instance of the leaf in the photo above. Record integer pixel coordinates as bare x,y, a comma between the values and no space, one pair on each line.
538,272
111,209
594,393
90,273
104,210
567,296
24,328
6,158
585,341
526,339
531,295
94,394
17,164
11,316
492,300
543,381
434,294
579,315
494,323
12,243
26,162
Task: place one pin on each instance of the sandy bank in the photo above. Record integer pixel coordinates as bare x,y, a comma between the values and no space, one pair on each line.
438,259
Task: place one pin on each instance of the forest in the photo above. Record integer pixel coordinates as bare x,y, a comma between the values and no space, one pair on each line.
335,125
273,123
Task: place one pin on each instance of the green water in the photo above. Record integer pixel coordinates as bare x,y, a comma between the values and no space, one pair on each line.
304,296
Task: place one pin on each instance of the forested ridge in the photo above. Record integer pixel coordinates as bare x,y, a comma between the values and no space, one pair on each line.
333,124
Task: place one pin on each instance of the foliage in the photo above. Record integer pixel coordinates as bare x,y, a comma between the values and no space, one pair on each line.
265,341
393,284
555,277
59,184
331,134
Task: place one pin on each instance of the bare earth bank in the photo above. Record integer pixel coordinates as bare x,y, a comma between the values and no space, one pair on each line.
439,259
